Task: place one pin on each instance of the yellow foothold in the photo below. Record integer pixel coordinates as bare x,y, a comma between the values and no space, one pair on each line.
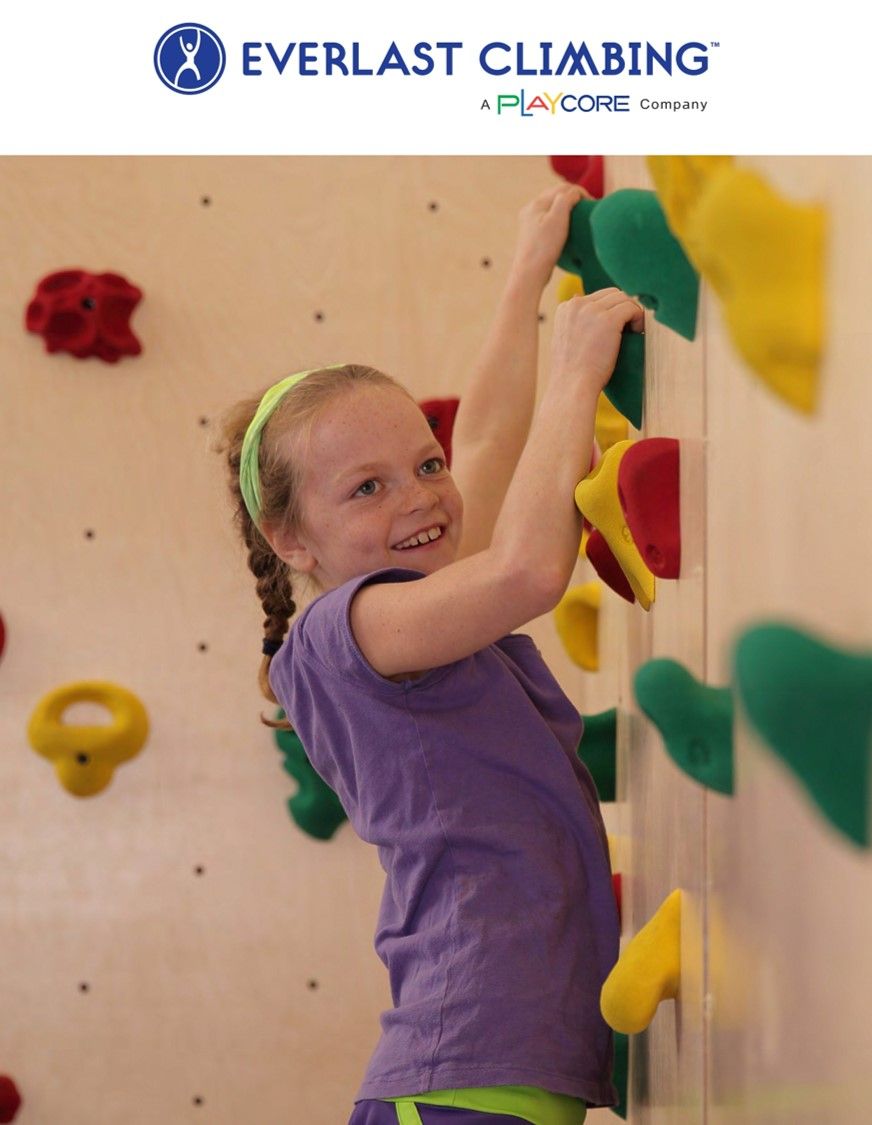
569,286
597,498
85,756
648,971
764,257
611,425
680,182
582,547
577,620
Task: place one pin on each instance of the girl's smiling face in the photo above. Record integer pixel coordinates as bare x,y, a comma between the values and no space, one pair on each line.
374,485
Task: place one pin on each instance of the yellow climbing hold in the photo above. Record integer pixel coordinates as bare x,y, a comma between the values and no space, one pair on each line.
680,182
648,971
577,620
85,756
597,498
569,286
611,425
764,257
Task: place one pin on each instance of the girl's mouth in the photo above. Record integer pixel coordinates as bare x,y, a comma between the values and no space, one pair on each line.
421,539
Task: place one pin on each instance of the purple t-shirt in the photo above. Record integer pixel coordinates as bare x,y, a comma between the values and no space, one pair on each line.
498,922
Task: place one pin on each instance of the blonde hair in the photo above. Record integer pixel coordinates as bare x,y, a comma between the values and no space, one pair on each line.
280,478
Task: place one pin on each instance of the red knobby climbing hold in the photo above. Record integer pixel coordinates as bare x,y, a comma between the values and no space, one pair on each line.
85,314
441,413
648,487
584,170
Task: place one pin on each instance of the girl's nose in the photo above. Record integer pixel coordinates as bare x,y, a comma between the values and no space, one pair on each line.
421,496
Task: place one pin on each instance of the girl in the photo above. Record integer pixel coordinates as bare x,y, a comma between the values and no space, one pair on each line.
448,741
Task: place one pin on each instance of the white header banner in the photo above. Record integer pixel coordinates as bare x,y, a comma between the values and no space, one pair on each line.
189,77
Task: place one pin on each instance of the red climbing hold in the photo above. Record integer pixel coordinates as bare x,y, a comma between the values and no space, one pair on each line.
440,414
616,887
10,1099
85,314
648,486
607,566
584,170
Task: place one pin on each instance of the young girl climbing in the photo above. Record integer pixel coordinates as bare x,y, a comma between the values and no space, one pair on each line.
449,743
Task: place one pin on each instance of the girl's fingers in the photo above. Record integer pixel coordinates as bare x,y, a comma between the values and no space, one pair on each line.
633,316
608,297
612,299
558,194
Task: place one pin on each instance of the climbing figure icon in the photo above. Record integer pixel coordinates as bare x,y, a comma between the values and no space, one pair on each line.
189,50
189,58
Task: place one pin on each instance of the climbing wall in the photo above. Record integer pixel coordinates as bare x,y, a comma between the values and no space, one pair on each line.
771,1022
174,949
182,905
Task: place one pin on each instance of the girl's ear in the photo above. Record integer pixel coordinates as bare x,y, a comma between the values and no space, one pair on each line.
290,548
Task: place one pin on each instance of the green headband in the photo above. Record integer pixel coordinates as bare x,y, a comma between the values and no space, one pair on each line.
249,461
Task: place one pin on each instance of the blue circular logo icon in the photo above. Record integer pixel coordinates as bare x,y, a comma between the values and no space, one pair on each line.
189,58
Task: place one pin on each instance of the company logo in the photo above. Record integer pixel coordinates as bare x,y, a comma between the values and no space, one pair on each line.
566,103
189,58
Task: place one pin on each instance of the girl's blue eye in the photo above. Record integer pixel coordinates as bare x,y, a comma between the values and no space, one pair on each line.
366,489
437,462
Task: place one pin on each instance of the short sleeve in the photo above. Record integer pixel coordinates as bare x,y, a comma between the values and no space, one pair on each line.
322,639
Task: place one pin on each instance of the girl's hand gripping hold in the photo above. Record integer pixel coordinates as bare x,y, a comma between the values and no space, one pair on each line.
543,227
587,336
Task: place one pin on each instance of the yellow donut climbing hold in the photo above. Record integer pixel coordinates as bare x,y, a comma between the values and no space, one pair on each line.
85,756
577,620
648,971
597,498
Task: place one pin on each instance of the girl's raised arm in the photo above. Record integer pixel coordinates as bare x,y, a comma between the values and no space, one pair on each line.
407,627
496,408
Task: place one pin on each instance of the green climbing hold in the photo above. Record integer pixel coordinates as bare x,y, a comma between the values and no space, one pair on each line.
598,750
695,719
314,807
813,706
635,246
626,388
620,1072
578,256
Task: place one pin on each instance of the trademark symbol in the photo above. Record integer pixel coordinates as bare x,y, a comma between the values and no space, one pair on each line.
716,43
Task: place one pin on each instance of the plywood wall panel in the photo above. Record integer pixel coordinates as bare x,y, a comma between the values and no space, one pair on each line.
199,985
660,818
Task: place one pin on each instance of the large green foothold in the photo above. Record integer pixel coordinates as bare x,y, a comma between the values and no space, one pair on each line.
695,719
636,247
620,1073
598,750
813,706
314,807
626,388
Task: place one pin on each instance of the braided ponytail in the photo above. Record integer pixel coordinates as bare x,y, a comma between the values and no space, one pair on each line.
279,493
